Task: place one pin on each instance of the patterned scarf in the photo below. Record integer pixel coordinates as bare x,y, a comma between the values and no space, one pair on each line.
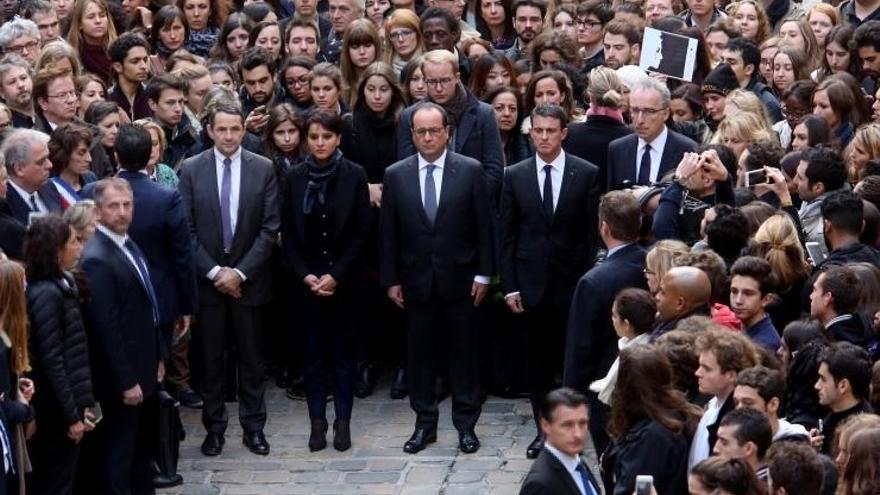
316,189
200,42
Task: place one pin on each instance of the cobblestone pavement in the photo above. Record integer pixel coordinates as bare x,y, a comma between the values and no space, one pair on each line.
376,463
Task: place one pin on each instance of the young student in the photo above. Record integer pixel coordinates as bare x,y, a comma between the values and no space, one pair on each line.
751,289
844,378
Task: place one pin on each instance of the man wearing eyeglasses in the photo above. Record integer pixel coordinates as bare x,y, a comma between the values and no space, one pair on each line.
654,150
21,36
55,97
474,132
592,16
436,257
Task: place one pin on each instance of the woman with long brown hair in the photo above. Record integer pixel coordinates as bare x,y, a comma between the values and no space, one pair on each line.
282,138
861,476
361,47
91,33
651,425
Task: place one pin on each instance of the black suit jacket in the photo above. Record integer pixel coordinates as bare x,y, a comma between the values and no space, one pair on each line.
590,342
546,256
256,229
21,210
549,477
622,154
350,212
589,140
450,253
125,343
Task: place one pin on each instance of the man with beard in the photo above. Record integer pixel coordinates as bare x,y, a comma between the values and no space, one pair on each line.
257,88
528,21
623,44
130,54
16,88
867,41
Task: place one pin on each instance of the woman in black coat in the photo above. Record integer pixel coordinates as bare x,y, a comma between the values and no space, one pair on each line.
60,353
325,225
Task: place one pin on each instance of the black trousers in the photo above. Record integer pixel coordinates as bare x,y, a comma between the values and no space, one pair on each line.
329,350
545,336
123,448
53,456
243,326
454,325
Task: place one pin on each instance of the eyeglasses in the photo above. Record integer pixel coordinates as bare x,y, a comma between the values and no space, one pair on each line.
428,131
442,81
401,34
303,81
647,112
795,114
70,95
587,24
27,47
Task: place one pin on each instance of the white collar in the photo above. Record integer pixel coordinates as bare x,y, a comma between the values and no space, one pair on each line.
659,140
837,319
117,239
557,163
219,157
439,162
570,463
21,192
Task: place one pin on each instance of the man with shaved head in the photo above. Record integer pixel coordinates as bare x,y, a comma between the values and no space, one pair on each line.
684,291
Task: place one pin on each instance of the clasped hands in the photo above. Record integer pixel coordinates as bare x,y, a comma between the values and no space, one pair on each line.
324,286
228,282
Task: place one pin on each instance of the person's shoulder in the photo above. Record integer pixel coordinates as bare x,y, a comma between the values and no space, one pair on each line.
462,160
398,166
624,141
579,163
681,139
256,159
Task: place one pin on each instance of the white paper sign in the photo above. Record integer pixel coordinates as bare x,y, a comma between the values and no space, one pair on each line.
667,53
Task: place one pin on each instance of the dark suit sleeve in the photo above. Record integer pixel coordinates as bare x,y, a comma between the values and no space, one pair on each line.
405,145
665,224
510,221
361,221
389,272
106,321
493,155
582,344
290,241
595,194
203,261
611,167
181,254
261,249
483,211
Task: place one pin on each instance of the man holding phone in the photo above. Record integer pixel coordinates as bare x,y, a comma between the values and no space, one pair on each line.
257,89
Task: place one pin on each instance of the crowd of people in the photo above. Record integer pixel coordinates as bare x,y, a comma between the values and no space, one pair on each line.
203,197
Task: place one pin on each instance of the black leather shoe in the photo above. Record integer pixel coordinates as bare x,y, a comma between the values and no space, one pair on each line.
342,435
164,481
297,389
256,443
398,386
419,440
468,442
535,447
365,381
213,444
189,398
318,437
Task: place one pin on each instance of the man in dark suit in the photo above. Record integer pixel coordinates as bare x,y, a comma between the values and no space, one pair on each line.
26,154
645,157
160,228
126,346
436,258
559,469
231,198
474,130
548,240
590,341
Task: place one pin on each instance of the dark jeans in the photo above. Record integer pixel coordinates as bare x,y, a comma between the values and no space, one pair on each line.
330,351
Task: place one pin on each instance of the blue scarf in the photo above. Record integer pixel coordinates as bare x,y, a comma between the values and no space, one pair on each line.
316,189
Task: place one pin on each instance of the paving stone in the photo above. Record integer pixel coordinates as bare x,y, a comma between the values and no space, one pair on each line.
362,478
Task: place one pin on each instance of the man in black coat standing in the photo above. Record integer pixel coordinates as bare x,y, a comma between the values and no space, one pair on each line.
127,348
548,239
590,341
436,258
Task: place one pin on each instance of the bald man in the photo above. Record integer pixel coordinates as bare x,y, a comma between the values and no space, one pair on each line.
684,291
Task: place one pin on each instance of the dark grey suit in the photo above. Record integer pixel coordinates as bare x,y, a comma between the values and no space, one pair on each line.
436,265
622,153
221,316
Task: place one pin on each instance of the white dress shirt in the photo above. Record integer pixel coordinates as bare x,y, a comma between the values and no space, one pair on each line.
440,162
26,197
570,463
700,448
556,174
234,194
120,241
657,146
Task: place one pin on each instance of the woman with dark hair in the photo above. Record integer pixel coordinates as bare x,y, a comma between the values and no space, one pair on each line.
233,39
259,11
413,81
222,74
839,55
490,72
203,18
547,86
60,354
835,102
811,130
90,88
650,425
803,343
325,225
506,103
861,476
294,77
495,23
105,116
731,476
789,65
69,152
361,47
282,138
168,34
552,47
796,102
267,34
326,87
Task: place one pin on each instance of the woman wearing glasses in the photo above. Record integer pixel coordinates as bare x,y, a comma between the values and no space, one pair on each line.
404,38
294,77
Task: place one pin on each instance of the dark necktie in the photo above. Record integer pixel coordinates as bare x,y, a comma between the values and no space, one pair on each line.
225,199
430,193
645,167
548,191
34,206
588,488
145,277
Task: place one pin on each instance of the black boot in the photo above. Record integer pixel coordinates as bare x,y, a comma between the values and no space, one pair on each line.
398,386
342,435
318,438
365,380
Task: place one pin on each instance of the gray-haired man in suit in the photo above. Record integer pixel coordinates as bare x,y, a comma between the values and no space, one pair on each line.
231,199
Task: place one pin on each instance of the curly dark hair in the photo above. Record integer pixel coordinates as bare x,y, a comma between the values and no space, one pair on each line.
64,141
43,240
800,403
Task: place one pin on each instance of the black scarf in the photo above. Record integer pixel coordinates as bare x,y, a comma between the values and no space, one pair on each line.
316,189
375,142
456,107
162,50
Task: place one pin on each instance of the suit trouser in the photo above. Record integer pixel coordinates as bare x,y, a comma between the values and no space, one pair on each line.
53,457
330,349
177,365
453,324
123,448
545,336
243,325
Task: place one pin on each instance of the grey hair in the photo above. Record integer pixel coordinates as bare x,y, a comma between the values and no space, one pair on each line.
11,60
649,84
115,183
16,148
17,28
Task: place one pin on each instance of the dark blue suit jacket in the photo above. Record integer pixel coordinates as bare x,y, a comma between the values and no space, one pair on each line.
622,154
160,229
21,210
591,343
549,477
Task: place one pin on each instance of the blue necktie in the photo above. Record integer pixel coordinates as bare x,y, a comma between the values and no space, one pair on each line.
34,206
8,462
645,167
430,193
588,487
145,277
225,200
